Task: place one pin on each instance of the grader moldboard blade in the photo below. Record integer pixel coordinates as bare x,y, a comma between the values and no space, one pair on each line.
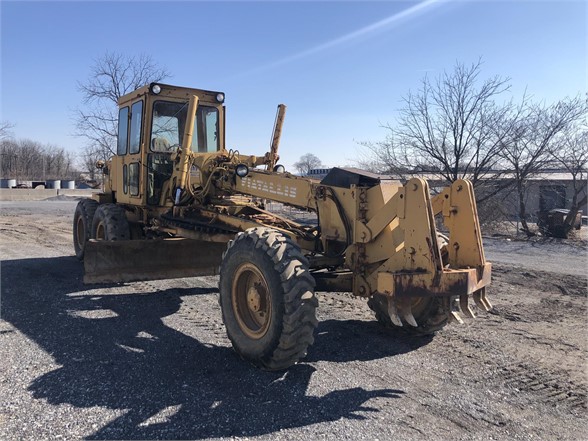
134,260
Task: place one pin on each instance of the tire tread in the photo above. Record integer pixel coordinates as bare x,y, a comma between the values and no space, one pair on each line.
299,320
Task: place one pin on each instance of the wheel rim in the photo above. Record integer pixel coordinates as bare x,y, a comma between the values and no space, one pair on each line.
80,232
100,232
250,297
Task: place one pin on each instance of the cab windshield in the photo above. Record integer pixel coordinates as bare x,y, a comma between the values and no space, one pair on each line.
169,120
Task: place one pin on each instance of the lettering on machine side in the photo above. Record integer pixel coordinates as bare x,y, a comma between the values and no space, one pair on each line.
269,187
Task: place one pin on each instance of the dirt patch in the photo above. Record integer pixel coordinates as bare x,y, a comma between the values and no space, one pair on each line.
150,360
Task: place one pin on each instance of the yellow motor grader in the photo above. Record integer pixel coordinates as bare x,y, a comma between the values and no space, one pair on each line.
178,203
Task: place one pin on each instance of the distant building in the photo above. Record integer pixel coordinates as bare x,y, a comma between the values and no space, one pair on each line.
544,191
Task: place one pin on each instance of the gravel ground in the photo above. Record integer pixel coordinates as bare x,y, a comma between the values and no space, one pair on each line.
150,360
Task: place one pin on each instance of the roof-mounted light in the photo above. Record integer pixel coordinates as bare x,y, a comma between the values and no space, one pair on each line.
220,97
155,88
279,168
242,170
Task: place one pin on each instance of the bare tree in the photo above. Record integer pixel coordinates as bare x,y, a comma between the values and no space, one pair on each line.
91,155
112,76
5,127
382,157
527,148
27,159
570,151
306,163
8,158
451,127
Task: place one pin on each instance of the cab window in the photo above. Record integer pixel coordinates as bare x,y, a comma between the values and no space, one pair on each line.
125,179
169,120
136,120
123,131
134,178
207,130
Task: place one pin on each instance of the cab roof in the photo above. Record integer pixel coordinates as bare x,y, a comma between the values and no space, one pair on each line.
170,91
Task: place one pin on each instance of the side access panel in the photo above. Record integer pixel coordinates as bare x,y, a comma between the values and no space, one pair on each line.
134,260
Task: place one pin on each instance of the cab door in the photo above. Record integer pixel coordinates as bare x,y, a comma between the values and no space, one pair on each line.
130,140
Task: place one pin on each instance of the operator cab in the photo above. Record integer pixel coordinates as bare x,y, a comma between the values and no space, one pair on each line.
152,122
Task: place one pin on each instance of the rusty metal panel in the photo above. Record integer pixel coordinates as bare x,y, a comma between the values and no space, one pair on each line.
447,283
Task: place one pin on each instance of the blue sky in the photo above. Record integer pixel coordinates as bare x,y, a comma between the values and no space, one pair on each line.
342,67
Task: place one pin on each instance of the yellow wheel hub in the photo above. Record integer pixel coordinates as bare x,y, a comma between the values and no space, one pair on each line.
251,300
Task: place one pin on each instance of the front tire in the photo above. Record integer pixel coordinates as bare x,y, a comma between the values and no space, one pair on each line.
110,223
82,225
267,298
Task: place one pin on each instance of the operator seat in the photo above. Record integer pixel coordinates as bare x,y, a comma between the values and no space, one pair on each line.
160,145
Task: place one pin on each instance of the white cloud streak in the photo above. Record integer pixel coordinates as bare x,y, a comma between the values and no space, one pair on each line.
385,24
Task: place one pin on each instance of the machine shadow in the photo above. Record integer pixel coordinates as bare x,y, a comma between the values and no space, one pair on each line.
342,341
163,383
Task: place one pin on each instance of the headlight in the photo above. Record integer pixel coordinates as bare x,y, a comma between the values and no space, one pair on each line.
156,88
279,168
242,170
220,97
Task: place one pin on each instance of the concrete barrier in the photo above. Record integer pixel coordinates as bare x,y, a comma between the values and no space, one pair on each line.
37,194
78,192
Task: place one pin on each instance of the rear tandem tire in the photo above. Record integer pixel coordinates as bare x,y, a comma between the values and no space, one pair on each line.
110,223
430,313
82,225
267,298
